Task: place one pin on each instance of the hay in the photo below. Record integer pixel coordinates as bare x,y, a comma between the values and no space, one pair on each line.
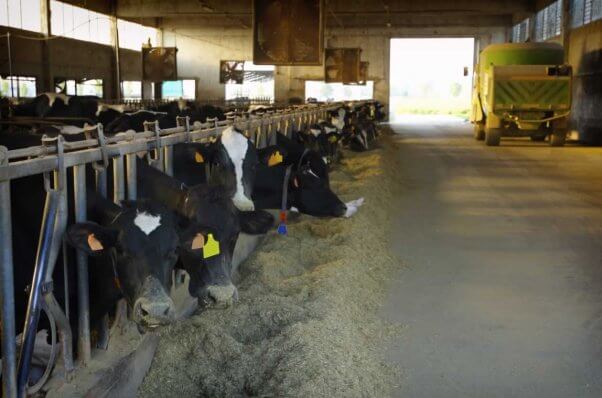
306,324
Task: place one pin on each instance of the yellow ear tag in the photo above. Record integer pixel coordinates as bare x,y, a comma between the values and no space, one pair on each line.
275,158
333,139
211,247
198,157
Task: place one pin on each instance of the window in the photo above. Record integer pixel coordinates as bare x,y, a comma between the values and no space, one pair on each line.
78,23
18,86
520,32
21,14
131,89
133,35
338,91
548,22
176,89
258,83
80,87
585,11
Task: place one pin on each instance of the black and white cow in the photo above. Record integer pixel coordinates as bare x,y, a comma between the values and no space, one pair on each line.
209,213
134,249
135,121
232,151
86,109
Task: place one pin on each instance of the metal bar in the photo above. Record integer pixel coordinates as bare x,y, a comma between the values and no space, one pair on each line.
83,292
43,255
101,182
130,165
118,180
81,152
168,157
7,295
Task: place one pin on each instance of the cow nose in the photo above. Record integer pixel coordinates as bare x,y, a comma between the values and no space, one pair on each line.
220,295
153,312
340,209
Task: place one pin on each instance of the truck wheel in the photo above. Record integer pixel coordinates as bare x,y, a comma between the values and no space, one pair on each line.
558,138
479,133
492,136
538,138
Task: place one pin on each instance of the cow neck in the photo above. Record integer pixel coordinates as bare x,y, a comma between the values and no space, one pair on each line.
158,186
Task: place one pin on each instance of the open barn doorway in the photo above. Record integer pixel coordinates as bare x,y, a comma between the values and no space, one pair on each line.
430,77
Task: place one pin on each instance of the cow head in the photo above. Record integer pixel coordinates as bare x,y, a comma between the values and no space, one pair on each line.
311,194
211,227
235,155
140,242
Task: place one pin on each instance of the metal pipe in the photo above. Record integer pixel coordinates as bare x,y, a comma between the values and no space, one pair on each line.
130,165
118,180
168,157
10,63
7,295
83,292
43,257
101,182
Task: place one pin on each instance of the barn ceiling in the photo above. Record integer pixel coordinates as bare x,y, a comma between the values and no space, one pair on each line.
339,13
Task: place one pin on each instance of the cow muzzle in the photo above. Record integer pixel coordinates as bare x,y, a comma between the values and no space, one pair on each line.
242,202
219,296
154,307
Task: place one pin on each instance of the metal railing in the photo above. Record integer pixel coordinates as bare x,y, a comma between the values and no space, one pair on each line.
53,158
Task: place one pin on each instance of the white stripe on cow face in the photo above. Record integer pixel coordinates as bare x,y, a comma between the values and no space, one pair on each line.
147,222
236,146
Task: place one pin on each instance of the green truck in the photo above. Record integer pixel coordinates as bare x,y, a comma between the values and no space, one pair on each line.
521,90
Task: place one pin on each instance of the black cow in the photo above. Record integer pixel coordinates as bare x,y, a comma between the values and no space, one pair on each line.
209,207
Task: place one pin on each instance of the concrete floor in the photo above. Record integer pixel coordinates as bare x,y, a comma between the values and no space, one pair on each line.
501,294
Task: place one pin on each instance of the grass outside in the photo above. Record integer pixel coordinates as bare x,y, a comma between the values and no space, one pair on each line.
459,107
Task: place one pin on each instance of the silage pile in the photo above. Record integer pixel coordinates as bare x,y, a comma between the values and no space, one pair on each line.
306,322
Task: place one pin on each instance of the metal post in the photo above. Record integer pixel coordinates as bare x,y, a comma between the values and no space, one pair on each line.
7,295
118,180
83,294
10,64
60,184
101,181
168,156
34,306
130,164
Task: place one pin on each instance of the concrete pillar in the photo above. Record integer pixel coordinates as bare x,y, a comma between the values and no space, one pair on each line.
565,33
115,88
46,83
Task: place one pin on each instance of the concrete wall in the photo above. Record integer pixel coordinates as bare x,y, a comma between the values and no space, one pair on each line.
200,50
67,58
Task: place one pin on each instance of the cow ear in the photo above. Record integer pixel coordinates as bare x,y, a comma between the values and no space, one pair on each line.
272,156
202,153
193,238
91,238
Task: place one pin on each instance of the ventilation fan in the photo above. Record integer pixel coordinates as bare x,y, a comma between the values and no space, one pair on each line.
159,64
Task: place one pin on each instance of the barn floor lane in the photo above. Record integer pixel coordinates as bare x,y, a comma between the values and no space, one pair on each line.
501,295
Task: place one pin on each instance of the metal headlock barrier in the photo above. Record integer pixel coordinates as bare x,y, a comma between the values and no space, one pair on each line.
53,159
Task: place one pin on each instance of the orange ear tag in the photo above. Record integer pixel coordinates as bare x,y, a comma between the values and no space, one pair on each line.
198,242
94,244
198,157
